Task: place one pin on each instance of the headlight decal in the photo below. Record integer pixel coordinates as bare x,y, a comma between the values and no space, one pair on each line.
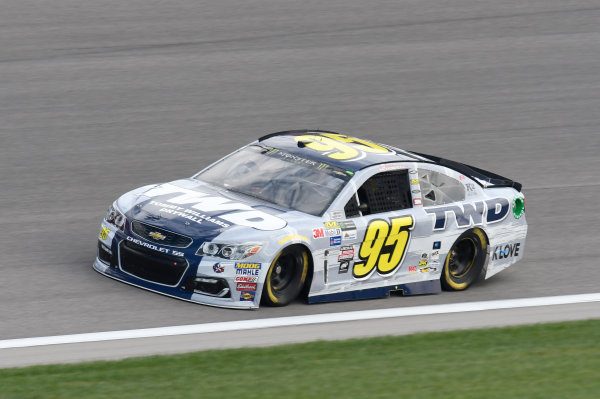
229,251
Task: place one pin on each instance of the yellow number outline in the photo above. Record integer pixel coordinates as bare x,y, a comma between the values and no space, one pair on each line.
340,147
381,236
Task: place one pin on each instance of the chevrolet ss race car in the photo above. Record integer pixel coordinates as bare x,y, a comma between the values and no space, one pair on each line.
315,214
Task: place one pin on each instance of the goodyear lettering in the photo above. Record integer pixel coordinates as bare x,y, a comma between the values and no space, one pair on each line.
471,214
293,237
236,213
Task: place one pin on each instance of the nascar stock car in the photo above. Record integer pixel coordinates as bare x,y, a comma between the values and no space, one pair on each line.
315,214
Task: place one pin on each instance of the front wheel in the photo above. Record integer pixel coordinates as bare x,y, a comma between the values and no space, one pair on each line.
464,261
286,276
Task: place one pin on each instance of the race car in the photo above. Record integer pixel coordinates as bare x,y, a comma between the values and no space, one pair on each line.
316,215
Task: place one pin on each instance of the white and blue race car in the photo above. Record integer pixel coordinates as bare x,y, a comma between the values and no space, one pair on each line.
318,215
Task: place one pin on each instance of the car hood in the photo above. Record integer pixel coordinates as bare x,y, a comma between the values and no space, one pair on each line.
197,209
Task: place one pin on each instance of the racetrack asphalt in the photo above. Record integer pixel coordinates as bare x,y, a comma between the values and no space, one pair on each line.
97,98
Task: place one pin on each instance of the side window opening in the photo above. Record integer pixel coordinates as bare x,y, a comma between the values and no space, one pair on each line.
383,192
438,188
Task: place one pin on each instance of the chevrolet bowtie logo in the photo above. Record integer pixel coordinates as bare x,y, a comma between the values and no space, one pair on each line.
157,236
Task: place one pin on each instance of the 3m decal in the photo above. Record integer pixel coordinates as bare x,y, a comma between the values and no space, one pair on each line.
383,247
340,147
318,233
104,232
471,214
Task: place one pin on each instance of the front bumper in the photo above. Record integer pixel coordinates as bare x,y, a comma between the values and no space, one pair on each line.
176,274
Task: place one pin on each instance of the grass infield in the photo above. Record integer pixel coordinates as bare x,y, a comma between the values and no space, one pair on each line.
560,360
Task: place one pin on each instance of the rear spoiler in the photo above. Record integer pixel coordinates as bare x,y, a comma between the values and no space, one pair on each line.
485,178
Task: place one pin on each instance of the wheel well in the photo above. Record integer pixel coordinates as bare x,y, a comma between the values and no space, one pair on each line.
309,273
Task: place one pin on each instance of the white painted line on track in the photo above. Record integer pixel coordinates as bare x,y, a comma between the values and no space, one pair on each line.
300,320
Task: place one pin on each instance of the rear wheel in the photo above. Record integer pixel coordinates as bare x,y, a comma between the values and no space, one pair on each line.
286,276
464,261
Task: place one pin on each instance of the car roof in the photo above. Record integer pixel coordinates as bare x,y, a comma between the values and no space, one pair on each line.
343,151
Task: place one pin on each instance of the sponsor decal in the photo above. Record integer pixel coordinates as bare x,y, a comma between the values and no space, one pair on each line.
506,251
518,207
437,244
331,225
412,172
390,166
414,182
293,237
334,232
470,187
435,255
104,232
157,235
193,205
471,214
246,286
318,232
349,235
247,296
428,269
346,253
333,241
347,225
412,269
155,247
245,279
217,268
384,246
344,267
247,269
417,202
340,147
416,191
336,215
422,263
424,256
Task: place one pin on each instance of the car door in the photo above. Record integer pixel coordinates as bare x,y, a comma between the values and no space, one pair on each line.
377,229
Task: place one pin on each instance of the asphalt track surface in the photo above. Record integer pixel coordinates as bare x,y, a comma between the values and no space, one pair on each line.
97,98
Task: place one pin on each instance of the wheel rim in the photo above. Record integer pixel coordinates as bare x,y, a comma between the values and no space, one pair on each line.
283,272
462,257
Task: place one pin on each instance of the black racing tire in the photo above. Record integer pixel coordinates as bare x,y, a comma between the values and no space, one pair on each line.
286,276
464,261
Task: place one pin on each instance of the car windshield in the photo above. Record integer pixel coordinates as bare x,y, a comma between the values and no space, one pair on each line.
278,177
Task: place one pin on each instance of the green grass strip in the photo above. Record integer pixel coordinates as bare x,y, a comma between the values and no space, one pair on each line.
543,361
